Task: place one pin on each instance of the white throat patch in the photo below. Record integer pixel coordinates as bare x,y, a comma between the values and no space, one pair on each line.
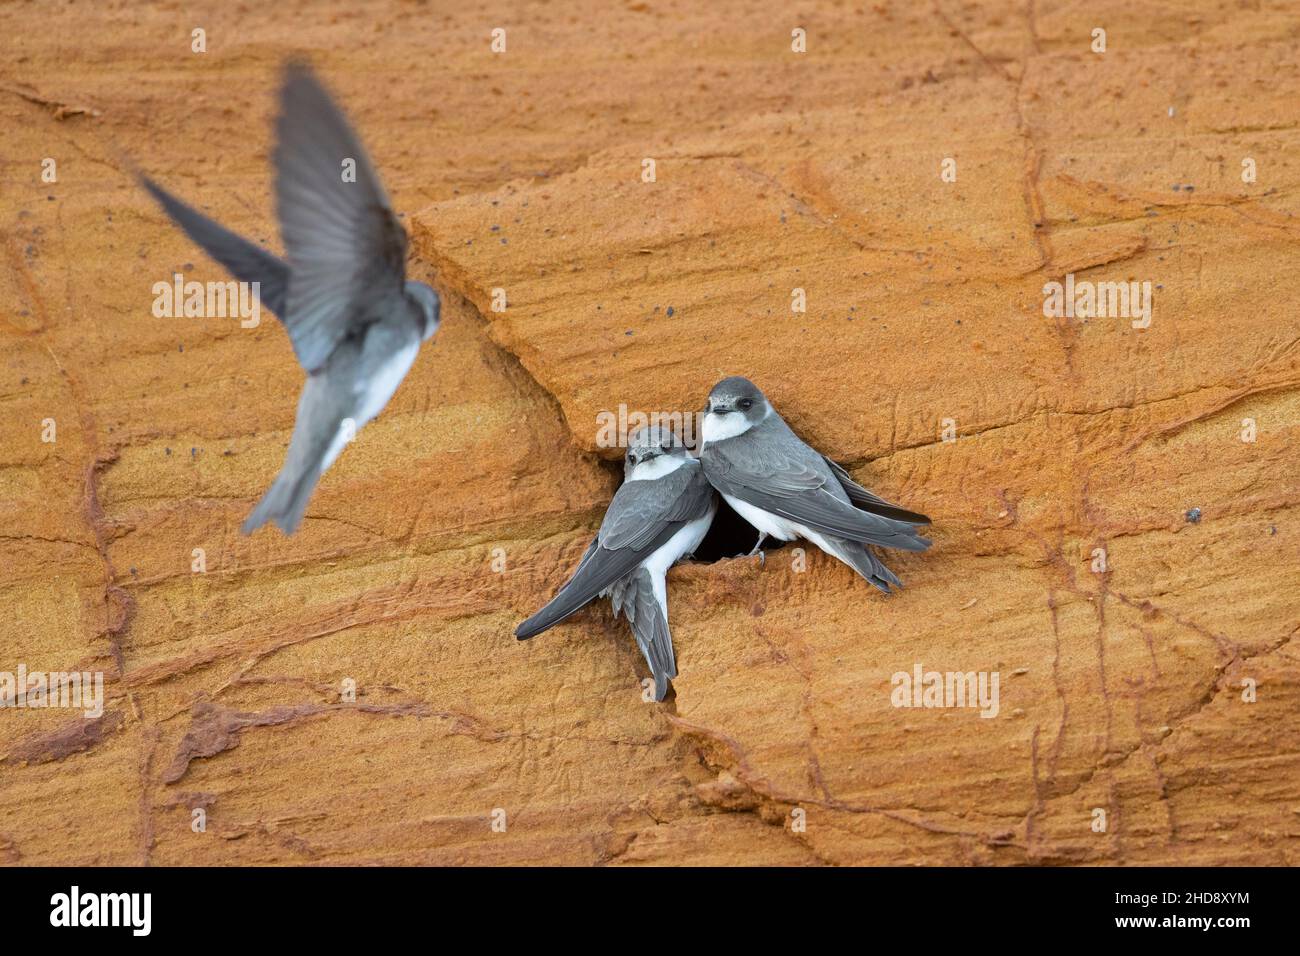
721,427
657,467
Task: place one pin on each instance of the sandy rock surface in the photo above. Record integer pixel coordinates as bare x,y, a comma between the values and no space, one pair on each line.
1159,696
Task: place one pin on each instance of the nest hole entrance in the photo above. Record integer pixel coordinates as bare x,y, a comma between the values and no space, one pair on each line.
730,536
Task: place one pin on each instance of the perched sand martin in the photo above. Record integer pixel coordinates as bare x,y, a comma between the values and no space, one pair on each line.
356,324
659,515
787,490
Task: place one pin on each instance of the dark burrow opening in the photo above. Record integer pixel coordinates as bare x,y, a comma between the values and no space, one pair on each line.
730,536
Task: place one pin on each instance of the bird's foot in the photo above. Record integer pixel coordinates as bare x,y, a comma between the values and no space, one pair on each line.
757,546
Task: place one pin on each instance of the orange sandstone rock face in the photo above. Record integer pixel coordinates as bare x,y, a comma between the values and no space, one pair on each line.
1148,678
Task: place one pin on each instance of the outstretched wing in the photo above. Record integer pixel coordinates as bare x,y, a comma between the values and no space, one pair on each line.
642,517
247,262
771,468
344,245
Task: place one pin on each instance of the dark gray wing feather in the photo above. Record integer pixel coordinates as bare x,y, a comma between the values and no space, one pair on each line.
344,245
771,468
861,498
247,262
641,518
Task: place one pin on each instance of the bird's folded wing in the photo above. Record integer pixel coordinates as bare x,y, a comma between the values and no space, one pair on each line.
344,245
247,262
599,568
640,519
867,501
641,510
795,484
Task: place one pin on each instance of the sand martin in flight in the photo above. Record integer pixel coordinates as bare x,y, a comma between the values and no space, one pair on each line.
355,322
659,515
787,490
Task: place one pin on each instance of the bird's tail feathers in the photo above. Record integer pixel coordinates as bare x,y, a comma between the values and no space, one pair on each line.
635,596
285,501
860,559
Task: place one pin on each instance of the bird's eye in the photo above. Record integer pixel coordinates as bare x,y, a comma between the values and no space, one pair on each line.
746,404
